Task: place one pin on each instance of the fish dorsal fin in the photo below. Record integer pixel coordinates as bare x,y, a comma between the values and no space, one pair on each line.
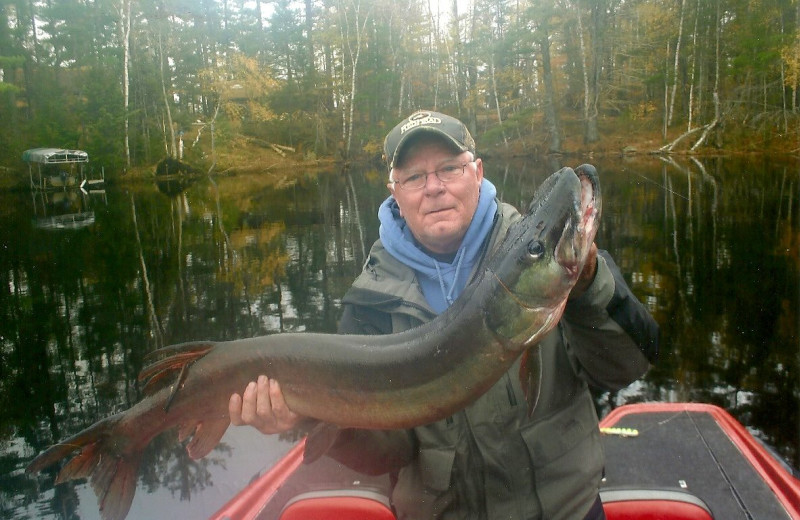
206,436
186,430
170,361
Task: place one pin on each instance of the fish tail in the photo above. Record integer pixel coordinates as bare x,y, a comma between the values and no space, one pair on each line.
112,474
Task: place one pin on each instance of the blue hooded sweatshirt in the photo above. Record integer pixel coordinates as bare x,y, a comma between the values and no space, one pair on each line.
441,282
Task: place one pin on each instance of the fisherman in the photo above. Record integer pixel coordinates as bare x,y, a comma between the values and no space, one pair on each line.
491,460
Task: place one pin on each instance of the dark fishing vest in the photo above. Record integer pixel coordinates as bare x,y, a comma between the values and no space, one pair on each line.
489,461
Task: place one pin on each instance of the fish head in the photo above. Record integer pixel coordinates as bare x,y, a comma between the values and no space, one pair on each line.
542,255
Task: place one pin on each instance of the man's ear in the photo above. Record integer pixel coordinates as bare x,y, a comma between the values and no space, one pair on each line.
392,191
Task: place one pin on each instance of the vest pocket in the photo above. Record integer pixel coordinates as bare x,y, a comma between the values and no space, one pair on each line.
567,458
550,438
436,466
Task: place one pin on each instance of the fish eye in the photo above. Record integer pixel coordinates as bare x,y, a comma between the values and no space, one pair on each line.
536,249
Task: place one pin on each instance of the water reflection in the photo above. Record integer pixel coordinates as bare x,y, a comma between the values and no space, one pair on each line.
711,247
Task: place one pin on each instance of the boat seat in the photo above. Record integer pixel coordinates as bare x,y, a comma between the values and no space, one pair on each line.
338,504
653,504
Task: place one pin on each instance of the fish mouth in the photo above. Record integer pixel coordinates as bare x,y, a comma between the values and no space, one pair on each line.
579,231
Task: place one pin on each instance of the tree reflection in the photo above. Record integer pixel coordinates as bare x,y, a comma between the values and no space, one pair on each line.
166,464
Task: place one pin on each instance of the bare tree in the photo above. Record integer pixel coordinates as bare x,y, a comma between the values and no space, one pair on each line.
125,27
590,132
550,113
694,65
172,148
360,27
675,67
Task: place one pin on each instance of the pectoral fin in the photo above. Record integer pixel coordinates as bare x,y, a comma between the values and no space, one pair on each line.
530,375
319,441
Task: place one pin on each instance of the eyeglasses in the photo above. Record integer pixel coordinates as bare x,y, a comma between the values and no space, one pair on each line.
417,181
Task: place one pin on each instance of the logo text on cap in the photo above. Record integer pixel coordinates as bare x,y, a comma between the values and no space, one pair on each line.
423,118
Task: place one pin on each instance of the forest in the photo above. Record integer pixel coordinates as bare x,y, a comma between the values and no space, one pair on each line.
133,82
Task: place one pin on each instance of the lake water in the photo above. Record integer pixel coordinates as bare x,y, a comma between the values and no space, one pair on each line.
93,282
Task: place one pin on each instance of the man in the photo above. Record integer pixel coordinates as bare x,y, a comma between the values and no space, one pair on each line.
489,461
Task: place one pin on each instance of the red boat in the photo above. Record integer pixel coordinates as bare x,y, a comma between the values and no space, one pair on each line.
666,461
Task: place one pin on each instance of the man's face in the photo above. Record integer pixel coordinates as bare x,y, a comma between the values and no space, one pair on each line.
438,214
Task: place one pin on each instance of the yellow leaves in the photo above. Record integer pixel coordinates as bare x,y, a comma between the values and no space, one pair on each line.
642,110
373,147
234,112
259,112
260,259
252,76
242,87
791,57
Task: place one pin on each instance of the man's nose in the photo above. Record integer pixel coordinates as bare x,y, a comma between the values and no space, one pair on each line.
433,183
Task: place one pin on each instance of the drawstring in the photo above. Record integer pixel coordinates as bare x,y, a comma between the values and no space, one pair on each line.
448,295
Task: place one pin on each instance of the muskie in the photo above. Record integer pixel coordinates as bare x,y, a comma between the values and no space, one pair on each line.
377,382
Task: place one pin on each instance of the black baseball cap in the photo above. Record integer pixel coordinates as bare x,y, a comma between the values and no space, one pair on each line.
451,129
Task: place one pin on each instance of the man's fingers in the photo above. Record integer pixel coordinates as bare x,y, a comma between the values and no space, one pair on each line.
276,397
250,404
263,407
283,416
235,410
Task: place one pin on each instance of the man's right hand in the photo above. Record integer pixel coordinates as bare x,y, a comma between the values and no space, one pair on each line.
263,407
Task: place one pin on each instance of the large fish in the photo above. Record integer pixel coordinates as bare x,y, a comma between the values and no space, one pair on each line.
378,382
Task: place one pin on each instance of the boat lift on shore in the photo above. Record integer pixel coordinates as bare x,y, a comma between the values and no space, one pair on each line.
58,168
